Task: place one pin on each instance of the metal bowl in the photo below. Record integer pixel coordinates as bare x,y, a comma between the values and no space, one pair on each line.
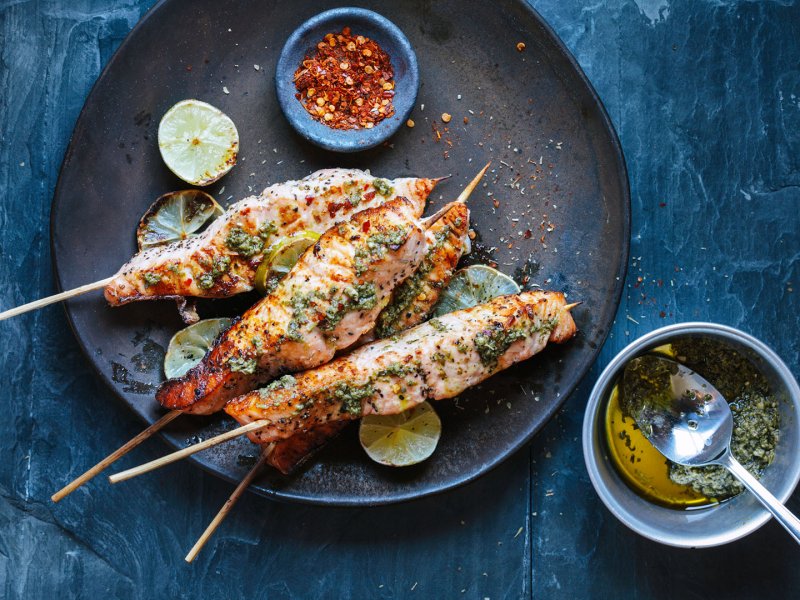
362,22
703,527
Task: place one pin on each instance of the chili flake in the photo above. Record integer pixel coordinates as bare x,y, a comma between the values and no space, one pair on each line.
348,83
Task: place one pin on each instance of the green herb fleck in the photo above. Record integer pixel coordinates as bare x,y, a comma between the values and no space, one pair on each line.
242,242
352,396
281,383
151,278
492,343
243,365
375,247
383,187
219,267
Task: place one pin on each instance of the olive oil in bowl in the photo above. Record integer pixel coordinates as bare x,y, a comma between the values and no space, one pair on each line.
755,414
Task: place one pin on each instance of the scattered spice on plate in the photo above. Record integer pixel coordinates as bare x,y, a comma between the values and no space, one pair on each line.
520,46
348,83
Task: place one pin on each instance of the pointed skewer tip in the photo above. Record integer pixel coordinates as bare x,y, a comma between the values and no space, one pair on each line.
473,184
573,305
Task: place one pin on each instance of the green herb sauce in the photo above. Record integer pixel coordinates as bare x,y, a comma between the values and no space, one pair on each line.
242,242
352,396
408,291
150,278
492,343
219,267
383,187
376,246
362,296
243,365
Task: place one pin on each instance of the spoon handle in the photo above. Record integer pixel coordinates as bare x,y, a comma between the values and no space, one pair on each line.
782,514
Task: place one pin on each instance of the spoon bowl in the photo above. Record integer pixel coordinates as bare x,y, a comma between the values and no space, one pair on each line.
695,427
689,422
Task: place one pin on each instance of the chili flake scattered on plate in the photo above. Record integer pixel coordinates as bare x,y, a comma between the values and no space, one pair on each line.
348,83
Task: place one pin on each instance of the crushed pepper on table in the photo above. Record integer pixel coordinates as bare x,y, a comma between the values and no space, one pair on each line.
348,83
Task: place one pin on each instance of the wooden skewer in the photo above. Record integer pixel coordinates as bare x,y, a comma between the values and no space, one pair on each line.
180,454
462,197
111,458
226,508
13,312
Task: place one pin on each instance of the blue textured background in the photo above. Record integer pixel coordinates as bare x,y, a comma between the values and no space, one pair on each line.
705,95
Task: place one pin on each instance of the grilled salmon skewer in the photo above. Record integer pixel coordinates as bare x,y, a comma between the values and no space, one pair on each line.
436,360
192,391
222,260
114,456
412,302
433,361
329,299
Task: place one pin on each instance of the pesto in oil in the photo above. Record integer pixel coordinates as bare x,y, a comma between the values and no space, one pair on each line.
756,424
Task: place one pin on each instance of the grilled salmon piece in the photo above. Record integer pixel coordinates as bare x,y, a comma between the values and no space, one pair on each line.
222,260
414,299
436,360
411,304
329,299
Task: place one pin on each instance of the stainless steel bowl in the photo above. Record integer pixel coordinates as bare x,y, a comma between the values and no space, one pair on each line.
714,525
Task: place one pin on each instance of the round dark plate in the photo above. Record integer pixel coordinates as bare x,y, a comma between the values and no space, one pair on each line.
554,210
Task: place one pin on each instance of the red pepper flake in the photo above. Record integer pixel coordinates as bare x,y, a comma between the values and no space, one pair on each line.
369,195
528,234
348,83
365,227
496,203
309,200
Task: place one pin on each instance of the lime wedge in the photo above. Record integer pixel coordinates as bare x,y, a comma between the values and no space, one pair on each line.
474,285
401,440
283,255
189,345
176,216
198,142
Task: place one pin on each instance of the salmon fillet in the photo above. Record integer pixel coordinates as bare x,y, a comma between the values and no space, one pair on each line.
222,260
411,304
433,361
329,299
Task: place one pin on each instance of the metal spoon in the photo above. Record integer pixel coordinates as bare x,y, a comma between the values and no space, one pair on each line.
691,424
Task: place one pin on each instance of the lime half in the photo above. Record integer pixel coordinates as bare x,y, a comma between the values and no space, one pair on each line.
176,216
401,440
474,285
283,255
189,345
198,142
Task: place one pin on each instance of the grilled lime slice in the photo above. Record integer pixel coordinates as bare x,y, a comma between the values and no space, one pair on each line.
198,142
189,345
474,285
176,216
283,255
401,440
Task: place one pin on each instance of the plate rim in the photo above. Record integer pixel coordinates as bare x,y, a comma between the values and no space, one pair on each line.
451,484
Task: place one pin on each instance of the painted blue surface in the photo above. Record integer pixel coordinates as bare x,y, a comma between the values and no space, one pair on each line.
706,98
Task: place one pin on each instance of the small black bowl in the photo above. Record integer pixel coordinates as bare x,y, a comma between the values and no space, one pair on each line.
303,41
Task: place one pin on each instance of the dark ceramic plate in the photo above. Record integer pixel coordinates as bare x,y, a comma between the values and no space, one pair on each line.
555,207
